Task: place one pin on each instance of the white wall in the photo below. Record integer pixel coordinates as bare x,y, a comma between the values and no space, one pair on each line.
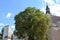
7,32
54,33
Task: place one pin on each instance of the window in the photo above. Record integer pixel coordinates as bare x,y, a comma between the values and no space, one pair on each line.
7,37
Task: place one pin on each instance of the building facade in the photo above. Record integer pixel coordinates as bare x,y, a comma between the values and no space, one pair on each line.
0,36
54,31
7,33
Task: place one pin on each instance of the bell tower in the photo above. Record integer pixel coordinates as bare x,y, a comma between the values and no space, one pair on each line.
48,10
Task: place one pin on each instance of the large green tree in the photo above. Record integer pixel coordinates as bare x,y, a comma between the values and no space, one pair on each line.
32,22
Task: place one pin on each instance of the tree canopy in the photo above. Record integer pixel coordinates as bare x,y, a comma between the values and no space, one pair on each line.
33,22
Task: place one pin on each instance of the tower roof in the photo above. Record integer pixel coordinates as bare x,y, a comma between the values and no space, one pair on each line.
47,7
47,10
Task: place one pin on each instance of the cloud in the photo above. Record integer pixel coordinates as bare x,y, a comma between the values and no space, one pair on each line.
2,24
54,7
13,26
8,15
43,9
49,1
57,1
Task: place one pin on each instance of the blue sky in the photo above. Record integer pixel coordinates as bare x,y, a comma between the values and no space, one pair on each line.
9,8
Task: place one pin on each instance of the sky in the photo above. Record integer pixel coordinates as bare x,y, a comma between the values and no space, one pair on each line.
9,8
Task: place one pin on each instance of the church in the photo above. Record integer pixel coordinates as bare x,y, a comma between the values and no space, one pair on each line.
53,33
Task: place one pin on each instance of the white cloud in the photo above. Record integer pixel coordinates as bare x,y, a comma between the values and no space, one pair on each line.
52,1
13,26
2,24
57,1
43,9
54,7
49,1
8,15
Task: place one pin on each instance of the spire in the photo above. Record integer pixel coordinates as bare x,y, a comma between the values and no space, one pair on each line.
47,10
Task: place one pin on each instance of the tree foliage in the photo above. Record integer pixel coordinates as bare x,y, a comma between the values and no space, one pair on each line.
33,22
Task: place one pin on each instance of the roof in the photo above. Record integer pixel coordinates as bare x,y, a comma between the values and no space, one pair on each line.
55,20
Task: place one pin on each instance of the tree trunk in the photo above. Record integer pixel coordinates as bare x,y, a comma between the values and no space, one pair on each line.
30,37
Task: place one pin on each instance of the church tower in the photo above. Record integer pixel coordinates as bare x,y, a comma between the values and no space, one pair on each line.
48,10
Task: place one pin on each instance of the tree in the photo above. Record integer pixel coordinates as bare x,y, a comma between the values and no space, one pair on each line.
32,22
